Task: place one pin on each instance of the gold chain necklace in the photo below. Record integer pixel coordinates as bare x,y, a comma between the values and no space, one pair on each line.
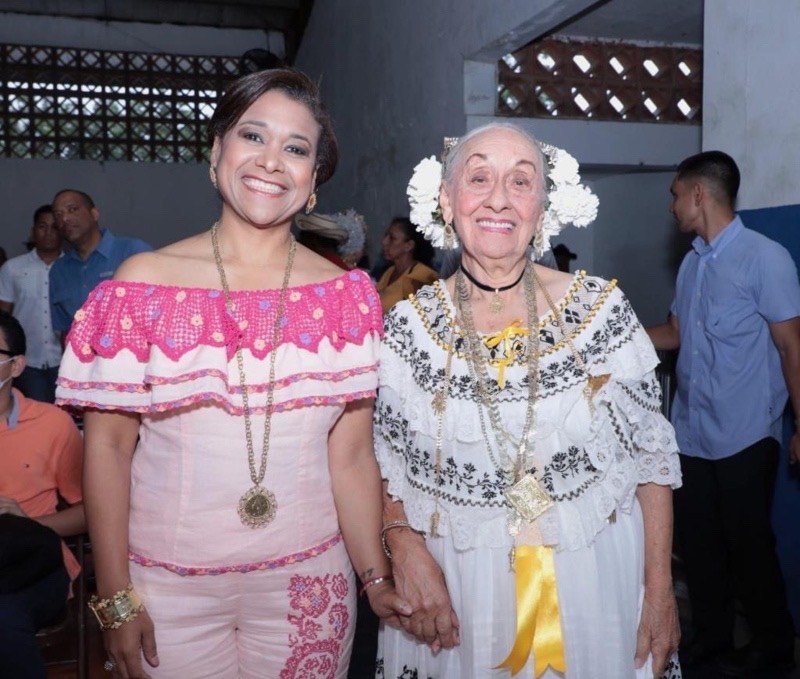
257,507
525,494
439,406
479,373
593,382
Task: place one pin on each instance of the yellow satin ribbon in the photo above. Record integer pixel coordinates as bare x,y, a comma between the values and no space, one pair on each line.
538,617
507,336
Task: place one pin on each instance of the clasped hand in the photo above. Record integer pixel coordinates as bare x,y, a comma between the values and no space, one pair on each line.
420,582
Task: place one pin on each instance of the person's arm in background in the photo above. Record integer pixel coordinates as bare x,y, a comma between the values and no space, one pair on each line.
67,459
72,520
665,336
786,336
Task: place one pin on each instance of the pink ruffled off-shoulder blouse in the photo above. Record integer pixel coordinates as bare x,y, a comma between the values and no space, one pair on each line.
169,354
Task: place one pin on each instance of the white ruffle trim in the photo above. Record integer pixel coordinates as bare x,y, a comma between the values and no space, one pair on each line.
303,378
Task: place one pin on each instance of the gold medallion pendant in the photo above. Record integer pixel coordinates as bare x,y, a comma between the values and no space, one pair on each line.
257,507
529,498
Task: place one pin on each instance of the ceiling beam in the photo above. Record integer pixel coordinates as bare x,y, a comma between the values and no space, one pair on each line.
276,15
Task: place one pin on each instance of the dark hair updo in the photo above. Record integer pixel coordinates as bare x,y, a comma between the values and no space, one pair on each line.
244,92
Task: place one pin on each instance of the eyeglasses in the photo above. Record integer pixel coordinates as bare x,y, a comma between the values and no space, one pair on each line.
13,354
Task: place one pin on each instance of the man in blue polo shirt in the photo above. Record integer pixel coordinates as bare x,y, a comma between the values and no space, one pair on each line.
93,257
736,319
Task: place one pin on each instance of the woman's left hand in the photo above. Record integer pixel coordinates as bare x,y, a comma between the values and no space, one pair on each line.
659,631
387,604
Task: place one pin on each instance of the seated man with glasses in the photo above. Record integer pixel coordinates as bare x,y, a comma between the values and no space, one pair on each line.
41,453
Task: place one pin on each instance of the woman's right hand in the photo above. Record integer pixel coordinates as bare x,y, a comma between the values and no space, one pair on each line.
126,644
420,582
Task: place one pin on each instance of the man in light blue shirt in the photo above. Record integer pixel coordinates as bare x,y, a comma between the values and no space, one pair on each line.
736,320
93,257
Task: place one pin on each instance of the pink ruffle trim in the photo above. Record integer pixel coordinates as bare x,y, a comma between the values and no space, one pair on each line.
136,316
158,380
210,396
269,565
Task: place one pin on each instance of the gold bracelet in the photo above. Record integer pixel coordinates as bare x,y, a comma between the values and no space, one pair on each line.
386,529
113,612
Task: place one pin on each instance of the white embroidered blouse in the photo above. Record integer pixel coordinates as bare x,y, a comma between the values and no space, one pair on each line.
589,461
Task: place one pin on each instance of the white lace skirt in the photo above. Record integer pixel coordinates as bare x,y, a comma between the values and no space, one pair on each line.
600,591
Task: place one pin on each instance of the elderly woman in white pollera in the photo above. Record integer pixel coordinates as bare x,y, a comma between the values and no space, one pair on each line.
528,471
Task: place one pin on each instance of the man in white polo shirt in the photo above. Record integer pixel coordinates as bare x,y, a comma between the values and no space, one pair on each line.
25,292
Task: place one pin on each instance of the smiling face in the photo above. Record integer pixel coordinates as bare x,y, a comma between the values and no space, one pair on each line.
266,162
495,198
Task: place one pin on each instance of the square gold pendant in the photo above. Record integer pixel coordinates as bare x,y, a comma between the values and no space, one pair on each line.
529,498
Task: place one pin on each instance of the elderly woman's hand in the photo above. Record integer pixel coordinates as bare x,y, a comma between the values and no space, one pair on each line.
659,630
420,582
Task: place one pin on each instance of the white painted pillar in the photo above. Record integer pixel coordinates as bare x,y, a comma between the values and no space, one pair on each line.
751,95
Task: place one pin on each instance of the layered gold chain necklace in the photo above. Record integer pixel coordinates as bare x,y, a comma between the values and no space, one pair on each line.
525,494
257,507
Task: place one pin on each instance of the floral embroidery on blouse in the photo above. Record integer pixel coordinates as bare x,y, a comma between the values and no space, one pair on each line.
137,316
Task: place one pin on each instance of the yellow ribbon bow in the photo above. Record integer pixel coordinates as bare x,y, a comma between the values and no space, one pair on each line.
507,336
538,617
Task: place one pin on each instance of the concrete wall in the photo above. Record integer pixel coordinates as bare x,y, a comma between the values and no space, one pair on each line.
392,75
751,96
159,202
636,240
397,78
418,71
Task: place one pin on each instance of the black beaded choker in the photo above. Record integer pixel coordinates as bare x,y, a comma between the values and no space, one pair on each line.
496,305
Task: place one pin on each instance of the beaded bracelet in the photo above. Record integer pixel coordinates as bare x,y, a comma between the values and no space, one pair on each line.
113,612
374,581
386,529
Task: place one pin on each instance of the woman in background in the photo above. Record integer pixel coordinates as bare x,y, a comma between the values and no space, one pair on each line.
411,258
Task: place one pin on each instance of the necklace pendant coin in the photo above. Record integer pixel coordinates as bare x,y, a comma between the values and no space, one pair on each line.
257,507
496,305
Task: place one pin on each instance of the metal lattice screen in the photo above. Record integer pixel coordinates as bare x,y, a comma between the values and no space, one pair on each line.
101,105
602,81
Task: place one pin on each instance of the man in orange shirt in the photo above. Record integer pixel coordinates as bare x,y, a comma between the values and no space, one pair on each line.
41,452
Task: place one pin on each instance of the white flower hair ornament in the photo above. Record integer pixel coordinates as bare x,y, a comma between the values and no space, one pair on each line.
568,201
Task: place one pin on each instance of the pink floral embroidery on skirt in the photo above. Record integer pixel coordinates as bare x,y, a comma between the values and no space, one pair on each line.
321,625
